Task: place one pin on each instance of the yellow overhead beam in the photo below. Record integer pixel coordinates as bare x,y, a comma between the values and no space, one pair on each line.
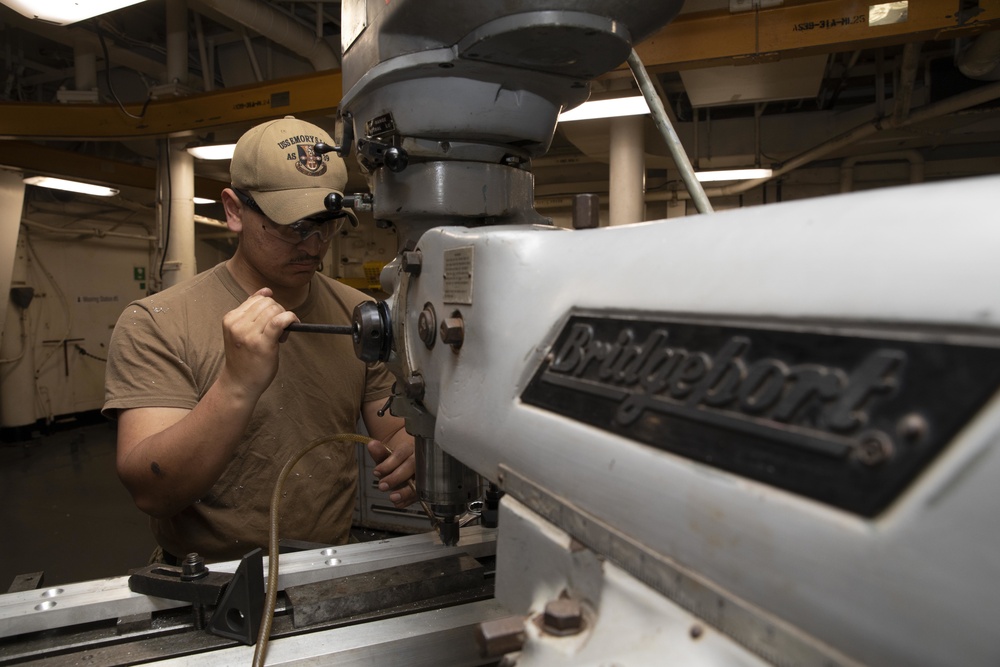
39,159
803,28
693,40
307,95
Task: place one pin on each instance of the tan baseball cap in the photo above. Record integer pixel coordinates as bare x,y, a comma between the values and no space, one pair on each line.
276,163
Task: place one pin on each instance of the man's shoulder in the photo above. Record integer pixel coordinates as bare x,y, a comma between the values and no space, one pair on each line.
202,285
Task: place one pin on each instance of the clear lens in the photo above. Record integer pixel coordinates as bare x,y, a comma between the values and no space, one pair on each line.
301,230
324,227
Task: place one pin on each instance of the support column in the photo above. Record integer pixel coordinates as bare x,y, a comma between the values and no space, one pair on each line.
628,170
177,41
177,184
179,258
17,372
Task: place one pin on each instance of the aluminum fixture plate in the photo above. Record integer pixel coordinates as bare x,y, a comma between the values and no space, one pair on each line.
106,599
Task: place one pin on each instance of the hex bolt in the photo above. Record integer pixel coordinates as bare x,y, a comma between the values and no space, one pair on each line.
412,262
500,636
453,332
193,567
427,325
563,617
413,387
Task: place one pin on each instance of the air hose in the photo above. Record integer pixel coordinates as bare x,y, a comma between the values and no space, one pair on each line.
271,596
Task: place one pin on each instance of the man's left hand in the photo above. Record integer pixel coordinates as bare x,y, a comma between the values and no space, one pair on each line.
394,471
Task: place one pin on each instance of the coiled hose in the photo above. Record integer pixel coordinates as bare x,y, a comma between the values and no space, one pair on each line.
271,596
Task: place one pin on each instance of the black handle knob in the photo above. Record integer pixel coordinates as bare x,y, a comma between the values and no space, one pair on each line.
396,159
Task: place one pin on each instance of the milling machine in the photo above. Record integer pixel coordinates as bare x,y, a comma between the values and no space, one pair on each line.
765,436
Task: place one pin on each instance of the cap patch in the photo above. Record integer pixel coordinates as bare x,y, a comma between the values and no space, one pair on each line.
308,161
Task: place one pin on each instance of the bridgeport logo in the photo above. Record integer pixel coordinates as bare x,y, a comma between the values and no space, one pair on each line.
652,374
846,413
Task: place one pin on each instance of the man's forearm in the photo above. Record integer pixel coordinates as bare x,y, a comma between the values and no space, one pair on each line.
174,457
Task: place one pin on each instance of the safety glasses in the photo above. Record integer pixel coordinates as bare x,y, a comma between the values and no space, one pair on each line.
321,225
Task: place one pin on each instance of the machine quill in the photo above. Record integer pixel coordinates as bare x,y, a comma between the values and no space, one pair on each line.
765,436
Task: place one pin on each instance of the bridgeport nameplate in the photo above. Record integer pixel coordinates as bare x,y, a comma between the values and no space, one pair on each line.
847,418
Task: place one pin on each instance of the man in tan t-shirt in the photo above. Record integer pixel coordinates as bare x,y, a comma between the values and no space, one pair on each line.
207,416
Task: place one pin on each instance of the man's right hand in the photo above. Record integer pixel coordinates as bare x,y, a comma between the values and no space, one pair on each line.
170,457
252,333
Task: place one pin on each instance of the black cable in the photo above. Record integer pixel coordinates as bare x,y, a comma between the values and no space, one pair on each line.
88,354
107,76
166,207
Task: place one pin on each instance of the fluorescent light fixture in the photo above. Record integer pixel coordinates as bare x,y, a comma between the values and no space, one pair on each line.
203,200
621,106
216,152
64,12
71,186
732,175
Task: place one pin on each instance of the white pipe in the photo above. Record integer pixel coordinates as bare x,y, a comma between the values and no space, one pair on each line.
626,203
981,59
84,67
915,159
92,231
278,27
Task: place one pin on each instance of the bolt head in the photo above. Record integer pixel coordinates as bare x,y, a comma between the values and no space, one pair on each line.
426,325
413,387
500,636
563,616
453,331
412,262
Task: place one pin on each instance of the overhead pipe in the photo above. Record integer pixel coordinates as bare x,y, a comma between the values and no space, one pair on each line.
915,159
82,38
252,55
954,103
907,77
264,19
85,232
981,59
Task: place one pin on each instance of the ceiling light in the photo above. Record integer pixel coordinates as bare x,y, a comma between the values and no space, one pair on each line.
621,106
64,12
216,152
71,186
732,175
202,200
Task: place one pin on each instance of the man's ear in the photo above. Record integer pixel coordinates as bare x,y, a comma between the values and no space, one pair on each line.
234,211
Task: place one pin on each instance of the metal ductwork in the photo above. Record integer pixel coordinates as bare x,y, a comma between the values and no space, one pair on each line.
264,19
